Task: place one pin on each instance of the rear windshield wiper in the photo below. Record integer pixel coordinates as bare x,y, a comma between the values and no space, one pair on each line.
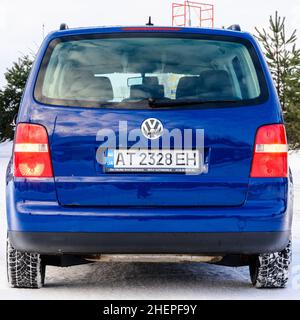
161,103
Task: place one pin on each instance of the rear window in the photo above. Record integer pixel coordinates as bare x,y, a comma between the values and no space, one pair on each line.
128,71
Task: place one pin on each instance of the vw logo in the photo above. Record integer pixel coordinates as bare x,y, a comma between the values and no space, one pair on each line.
152,129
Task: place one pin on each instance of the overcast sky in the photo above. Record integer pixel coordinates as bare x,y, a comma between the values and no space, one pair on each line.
21,20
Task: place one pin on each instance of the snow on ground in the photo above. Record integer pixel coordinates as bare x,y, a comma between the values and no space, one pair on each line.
149,281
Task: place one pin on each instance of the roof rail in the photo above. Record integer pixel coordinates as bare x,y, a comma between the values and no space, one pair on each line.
235,27
63,26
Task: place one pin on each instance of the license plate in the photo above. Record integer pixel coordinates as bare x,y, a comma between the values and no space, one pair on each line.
144,160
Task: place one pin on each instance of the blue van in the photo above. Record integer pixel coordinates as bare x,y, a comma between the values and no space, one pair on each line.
149,144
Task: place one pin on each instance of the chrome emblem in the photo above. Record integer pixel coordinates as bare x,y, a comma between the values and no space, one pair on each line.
152,129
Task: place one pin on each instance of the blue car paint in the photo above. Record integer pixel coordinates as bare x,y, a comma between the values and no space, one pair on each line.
72,202
263,212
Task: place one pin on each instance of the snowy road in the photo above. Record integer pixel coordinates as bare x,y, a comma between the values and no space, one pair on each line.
149,281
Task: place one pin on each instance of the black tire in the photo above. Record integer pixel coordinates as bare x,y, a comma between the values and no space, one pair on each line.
271,270
24,270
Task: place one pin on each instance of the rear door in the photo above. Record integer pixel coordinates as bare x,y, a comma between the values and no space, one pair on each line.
83,80
81,180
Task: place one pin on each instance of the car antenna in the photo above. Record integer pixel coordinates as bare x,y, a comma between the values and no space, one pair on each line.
149,22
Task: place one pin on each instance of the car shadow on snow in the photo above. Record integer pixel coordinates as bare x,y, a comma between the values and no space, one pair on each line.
115,276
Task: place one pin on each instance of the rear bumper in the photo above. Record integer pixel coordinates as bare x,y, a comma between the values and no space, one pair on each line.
32,207
149,243
37,223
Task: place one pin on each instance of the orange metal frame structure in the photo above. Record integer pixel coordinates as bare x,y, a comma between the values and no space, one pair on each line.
182,14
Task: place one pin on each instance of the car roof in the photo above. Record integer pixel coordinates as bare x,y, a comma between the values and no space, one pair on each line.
145,29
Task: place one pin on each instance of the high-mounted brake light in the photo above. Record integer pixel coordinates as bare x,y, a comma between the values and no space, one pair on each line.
151,29
270,158
31,152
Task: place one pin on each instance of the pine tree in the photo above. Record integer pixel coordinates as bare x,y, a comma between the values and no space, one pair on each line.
283,58
11,95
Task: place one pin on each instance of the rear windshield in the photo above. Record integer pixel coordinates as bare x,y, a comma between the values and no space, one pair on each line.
129,71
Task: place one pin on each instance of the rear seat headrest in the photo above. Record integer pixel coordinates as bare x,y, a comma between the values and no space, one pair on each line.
147,91
217,82
139,91
188,87
84,85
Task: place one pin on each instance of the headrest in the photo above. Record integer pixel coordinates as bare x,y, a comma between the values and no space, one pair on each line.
146,91
217,82
188,87
84,85
139,91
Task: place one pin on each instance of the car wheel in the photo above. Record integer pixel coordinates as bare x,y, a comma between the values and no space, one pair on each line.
271,270
24,269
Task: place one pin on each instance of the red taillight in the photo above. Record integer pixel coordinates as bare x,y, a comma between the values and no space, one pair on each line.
31,152
270,158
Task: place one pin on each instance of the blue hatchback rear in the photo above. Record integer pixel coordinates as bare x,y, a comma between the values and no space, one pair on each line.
162,143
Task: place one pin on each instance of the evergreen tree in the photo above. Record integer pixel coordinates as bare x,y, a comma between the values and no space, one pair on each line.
283,58
11,95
